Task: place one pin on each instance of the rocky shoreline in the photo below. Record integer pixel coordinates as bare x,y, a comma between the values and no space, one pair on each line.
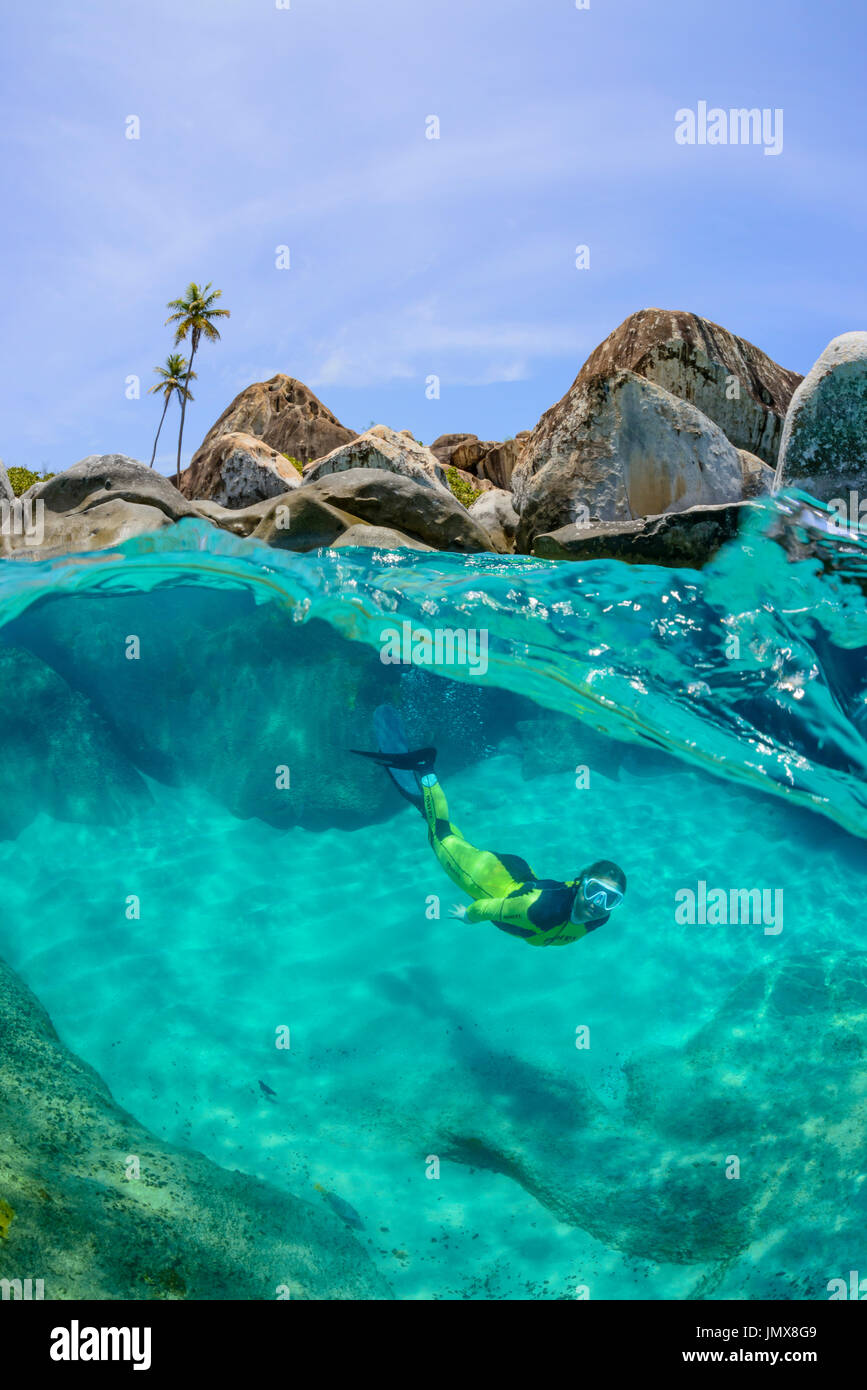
671,429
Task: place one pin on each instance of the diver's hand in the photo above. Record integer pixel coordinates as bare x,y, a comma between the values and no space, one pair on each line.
458,910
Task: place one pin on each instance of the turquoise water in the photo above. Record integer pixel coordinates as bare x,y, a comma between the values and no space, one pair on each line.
308,907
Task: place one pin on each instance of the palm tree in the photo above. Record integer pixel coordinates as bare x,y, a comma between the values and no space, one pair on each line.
171,383
194,316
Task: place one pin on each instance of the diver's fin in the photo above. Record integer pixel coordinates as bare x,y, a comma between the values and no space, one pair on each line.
403,764
414,760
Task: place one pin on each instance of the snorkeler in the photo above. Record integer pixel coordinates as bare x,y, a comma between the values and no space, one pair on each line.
503,887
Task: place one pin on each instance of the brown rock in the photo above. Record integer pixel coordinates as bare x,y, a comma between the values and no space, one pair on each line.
619,448
482,457
283,413
470,453
696,359
445,446
237,470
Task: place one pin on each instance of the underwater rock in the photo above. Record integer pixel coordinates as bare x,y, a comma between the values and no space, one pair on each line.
284,414
684,539
559,744
385,451
619,448
238,470
101,1208
745,1141
60,757
231,742
163,715
824,447
730,380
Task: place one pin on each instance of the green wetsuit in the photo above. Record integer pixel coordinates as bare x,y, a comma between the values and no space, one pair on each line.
504,888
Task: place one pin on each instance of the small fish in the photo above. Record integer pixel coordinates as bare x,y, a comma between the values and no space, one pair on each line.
346,1212
266,1090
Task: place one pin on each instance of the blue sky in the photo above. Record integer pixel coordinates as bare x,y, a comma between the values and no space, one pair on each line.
410,257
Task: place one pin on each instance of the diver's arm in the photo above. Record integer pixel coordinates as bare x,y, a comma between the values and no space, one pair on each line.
513,909
484,910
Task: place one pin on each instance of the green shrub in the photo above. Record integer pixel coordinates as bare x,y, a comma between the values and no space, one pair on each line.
23,478
463,491
296,463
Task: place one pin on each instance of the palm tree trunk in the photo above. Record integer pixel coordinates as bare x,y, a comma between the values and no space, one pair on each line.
159,427
193,345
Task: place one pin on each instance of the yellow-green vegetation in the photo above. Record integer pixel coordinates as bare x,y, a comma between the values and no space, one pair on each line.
463,491
296,463
23,478
7,1216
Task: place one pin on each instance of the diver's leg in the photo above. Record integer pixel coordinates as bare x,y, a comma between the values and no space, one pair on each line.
477,872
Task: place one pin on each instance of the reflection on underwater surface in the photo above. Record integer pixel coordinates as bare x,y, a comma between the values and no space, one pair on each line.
309,899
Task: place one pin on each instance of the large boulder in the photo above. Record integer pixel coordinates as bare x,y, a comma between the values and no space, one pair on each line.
61,757
377,538
618,448
444,447
500,462
48,535
101,478
302,520
758,476
379,498
470,452
484,459
494,510
824,448
238,470
649,1179
385,450
7,492
283,413
733,382
682,539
